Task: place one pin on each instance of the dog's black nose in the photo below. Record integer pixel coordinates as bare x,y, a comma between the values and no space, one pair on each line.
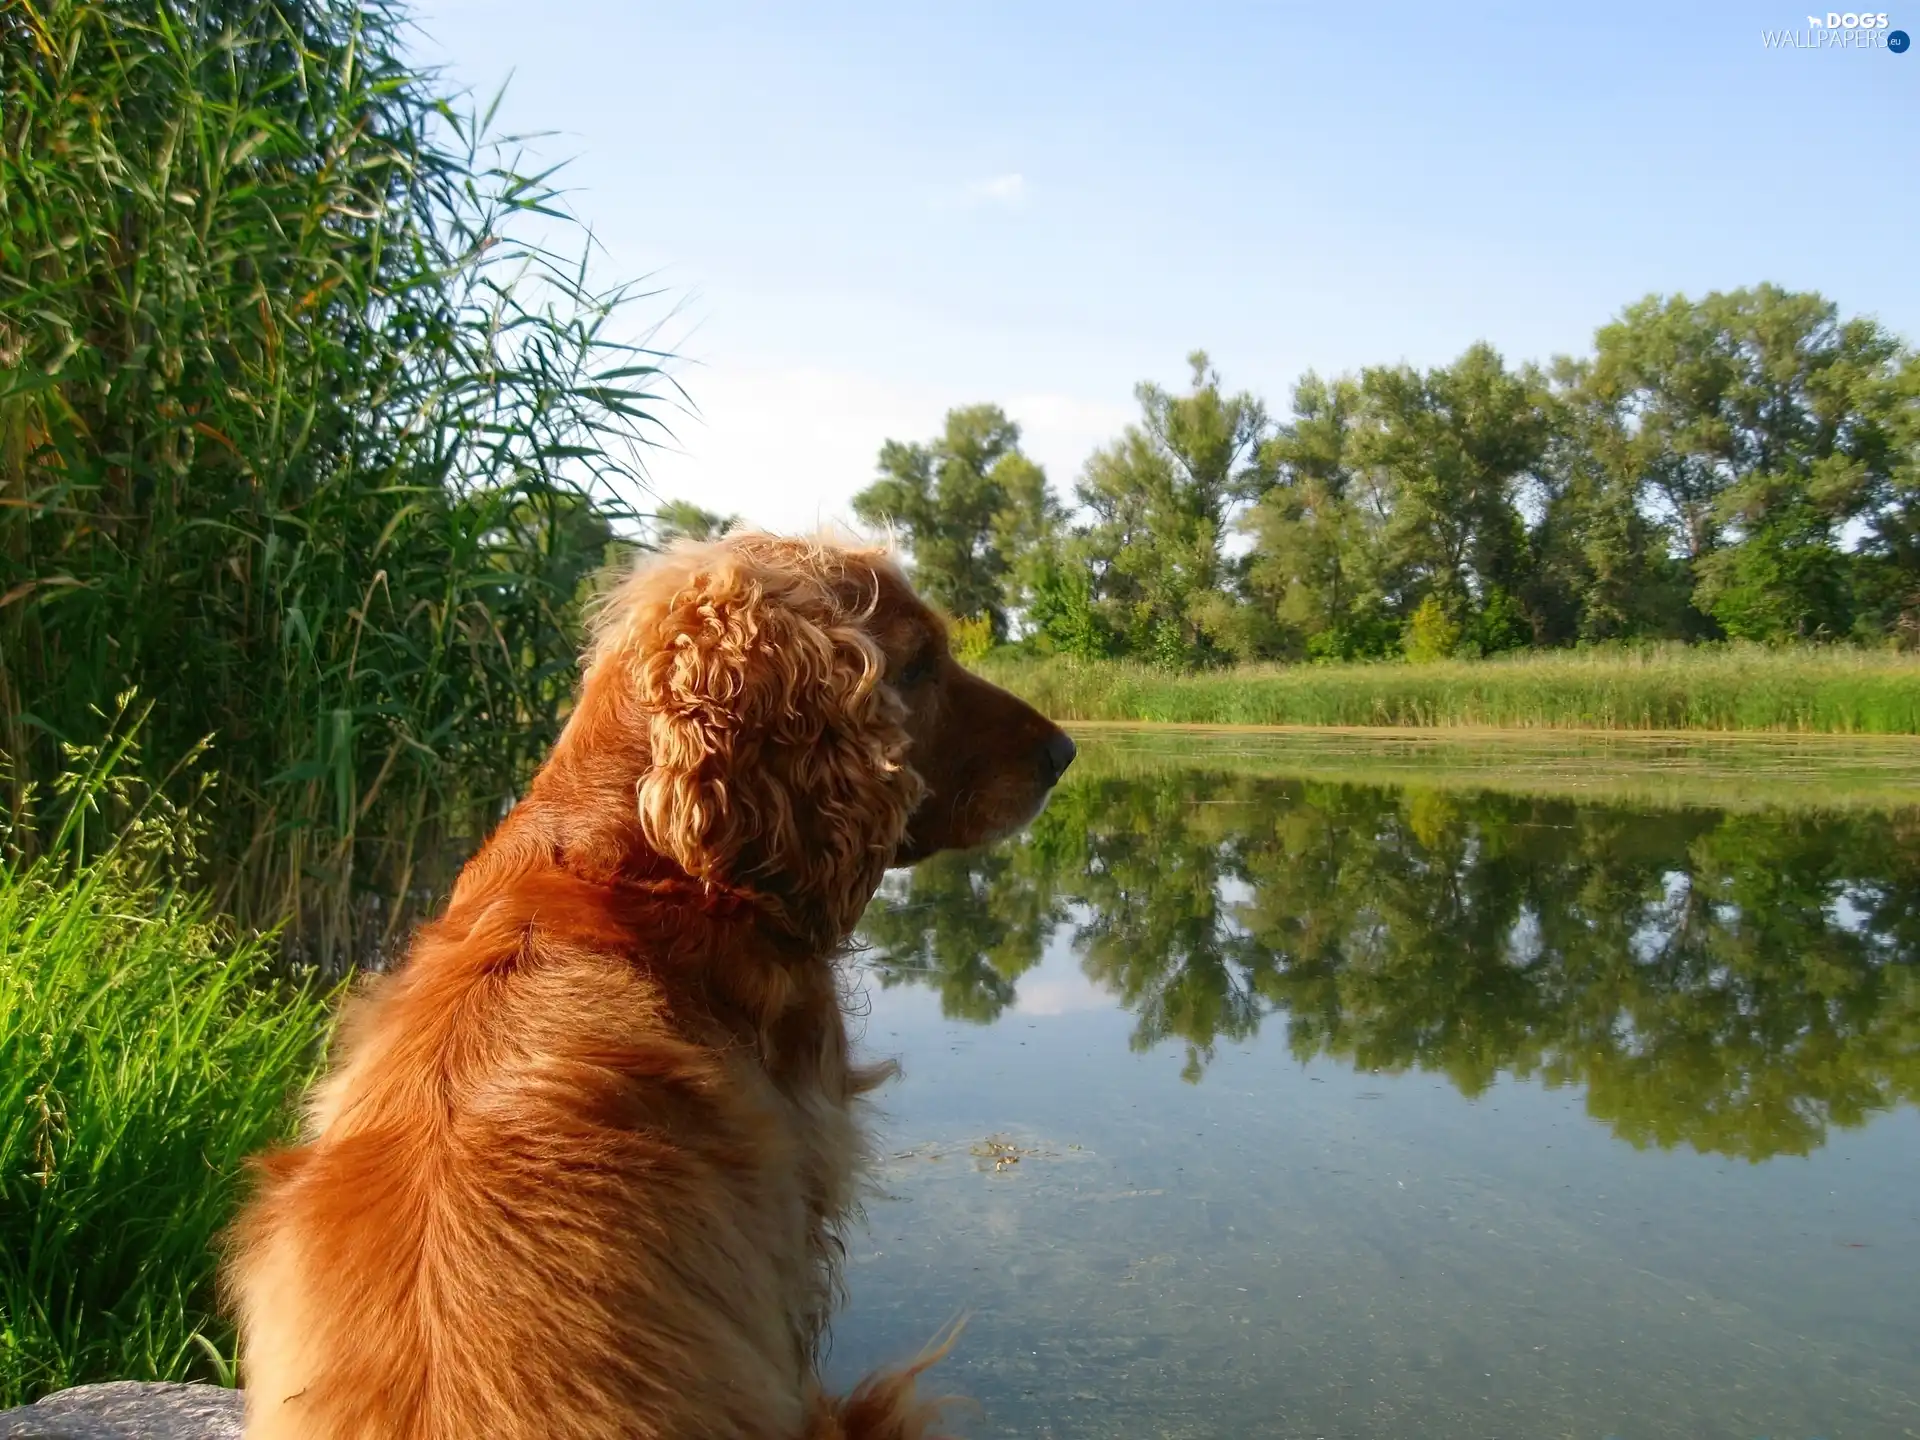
1058,755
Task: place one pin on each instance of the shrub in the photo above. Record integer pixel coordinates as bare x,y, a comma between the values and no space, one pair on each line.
971,639
1432,634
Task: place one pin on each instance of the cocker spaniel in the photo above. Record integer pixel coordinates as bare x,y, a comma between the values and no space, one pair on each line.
580,1164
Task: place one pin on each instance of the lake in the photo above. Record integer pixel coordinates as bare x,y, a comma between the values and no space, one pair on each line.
1416,1086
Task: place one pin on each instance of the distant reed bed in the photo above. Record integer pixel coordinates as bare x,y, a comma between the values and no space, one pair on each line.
1838,691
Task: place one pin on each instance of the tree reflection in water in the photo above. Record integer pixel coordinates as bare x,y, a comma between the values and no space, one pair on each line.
1733,982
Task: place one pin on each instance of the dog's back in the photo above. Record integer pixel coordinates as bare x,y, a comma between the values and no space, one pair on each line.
557,1186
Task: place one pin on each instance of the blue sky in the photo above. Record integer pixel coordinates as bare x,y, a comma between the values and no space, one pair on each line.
861,215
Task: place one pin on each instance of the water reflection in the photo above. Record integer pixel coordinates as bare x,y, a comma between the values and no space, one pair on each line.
1737,983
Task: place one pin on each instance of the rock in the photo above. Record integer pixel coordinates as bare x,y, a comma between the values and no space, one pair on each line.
128,1410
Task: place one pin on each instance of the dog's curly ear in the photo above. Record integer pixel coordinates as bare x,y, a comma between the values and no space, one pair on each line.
777,758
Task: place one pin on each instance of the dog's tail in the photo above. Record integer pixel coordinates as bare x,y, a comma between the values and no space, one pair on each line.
888,1405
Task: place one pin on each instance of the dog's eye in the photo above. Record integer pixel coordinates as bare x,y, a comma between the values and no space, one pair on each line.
921,667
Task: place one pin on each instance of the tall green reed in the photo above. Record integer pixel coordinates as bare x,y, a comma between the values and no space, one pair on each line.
300,434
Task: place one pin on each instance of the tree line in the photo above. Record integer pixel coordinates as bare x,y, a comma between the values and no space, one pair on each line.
1745,465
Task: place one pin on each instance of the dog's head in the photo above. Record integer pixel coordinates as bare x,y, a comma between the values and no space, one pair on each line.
806,725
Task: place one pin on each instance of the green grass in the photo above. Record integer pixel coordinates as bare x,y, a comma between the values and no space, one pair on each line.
148,1053
1718,688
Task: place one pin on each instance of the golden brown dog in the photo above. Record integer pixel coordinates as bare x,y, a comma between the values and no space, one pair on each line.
580,1164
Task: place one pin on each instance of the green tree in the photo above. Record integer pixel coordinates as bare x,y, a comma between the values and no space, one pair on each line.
1432,633
1673,377
1062,611
682,519
1318,529
1161,498
1605,564
1888,577
1763,424
968,505
1453,449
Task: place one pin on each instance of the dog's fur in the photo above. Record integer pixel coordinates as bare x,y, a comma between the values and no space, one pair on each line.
580,1163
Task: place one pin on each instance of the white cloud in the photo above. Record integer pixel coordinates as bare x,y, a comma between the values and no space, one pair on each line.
787,447
1009,189
1068,994
1002,192
1060,431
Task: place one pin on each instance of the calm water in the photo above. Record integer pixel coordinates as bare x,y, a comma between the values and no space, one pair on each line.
1245,1104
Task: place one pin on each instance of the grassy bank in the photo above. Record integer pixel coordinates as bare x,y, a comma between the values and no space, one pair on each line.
1671,688
148,1054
